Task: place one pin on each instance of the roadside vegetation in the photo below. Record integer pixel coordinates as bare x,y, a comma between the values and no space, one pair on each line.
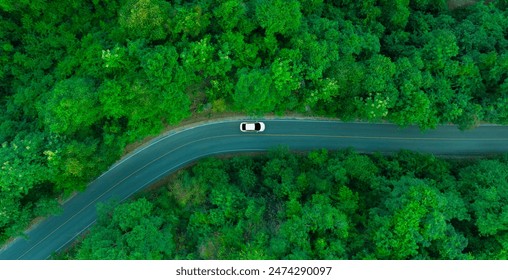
81,80
319,205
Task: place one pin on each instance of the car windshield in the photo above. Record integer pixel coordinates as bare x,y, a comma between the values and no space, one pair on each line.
257,126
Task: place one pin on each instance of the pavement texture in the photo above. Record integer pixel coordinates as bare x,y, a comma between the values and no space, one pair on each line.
170,152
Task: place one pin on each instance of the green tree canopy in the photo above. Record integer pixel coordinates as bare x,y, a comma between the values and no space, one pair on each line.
71,106
278,16
132,232
145,19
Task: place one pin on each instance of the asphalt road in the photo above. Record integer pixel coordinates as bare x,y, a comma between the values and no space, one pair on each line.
168,153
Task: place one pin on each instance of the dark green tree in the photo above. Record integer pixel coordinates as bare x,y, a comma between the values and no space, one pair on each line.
131,232
283,17
253,91
486,187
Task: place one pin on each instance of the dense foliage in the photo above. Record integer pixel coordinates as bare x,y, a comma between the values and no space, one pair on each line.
322,205
79,80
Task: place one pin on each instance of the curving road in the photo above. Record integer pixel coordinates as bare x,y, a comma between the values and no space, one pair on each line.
170,152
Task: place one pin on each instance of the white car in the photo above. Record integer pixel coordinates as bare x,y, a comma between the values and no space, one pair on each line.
252,127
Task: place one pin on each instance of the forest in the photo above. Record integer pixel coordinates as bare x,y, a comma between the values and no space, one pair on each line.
80,80
318,205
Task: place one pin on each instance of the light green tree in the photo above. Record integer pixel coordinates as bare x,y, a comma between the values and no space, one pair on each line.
71,106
